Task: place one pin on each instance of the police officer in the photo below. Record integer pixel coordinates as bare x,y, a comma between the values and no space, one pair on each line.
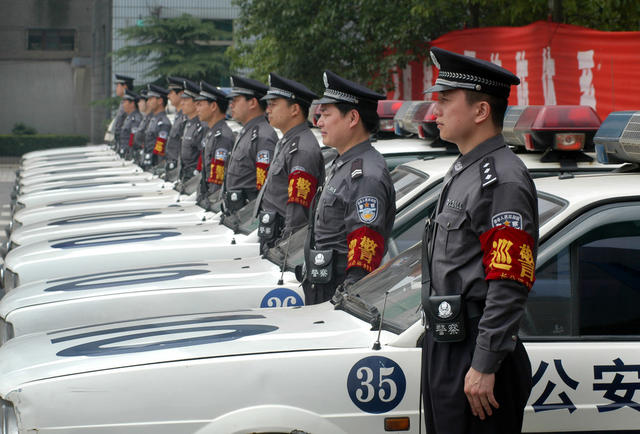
480,259
123,82
355,212
216,144
137,149
248,164
174,142
157,131
130,106
297,168
194,130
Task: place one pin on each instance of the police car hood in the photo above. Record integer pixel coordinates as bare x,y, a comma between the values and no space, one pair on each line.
163,241
109,202
94,173
108,221
39,356
224,273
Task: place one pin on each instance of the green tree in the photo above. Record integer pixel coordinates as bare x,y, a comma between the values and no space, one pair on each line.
363,39
185,46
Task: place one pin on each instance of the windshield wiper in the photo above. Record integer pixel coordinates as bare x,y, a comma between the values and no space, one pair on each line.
357,307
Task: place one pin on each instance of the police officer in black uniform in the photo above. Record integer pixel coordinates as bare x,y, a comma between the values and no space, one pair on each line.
172,154
355,212
194,130
297,168
252,152
136,151
157,131
212,104
123,82
130,106
480,258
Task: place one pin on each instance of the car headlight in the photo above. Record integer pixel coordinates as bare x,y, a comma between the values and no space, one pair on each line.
8,418
6,331
9,280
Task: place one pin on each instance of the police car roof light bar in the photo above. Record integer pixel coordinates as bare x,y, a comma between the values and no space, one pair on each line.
618,138
410,116
563,128
387,110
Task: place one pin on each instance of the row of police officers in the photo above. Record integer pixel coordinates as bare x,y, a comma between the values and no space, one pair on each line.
479,247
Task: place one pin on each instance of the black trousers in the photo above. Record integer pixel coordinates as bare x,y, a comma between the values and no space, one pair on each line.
446,409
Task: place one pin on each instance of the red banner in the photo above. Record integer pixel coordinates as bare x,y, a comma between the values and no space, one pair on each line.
558,64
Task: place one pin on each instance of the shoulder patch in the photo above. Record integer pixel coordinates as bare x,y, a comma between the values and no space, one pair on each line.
507,218
263,156
356,168
487,172
367,208
163,134
221,154
300,168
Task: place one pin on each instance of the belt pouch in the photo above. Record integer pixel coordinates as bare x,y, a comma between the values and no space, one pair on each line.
446,317
320,268
268,225
234,200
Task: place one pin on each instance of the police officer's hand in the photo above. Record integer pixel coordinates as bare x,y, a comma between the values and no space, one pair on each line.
479,390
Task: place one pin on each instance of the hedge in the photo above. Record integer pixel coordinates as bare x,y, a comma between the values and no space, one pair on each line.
17,145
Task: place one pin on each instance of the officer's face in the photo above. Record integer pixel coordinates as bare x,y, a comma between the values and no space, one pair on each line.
120,89
188,106
174,97
152,103
204,109
239,108
142,105
280,113
334,126
128,105
455,117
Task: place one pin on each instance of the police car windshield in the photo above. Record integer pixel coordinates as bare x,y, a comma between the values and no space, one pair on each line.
405,180
401,277
295,247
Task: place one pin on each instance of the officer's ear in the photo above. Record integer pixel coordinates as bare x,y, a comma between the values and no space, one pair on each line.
353,117
482,111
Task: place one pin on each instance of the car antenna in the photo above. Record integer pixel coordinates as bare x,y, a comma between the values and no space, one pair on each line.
376,344
284,262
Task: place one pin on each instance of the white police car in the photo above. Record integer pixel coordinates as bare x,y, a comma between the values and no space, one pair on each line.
64,152
42,305
318,368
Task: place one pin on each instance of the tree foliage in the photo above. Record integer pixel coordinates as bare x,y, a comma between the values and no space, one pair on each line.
363,39
184,46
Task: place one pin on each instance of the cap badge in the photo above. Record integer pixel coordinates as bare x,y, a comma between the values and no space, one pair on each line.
444,310
434,60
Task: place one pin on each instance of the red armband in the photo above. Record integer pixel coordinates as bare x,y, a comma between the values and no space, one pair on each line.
508,254
216,172
261,174
131,137
302,188
366,248
158,149
199,165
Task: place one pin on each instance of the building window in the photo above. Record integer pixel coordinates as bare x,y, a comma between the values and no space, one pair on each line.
51,39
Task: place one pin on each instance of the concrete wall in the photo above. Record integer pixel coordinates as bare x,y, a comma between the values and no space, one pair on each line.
49,90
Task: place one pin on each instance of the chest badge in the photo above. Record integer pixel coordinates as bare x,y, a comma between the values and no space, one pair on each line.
367,209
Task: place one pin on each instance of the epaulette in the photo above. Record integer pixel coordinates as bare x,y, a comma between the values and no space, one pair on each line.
254,133
356,168
293,147
488,172
218,133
